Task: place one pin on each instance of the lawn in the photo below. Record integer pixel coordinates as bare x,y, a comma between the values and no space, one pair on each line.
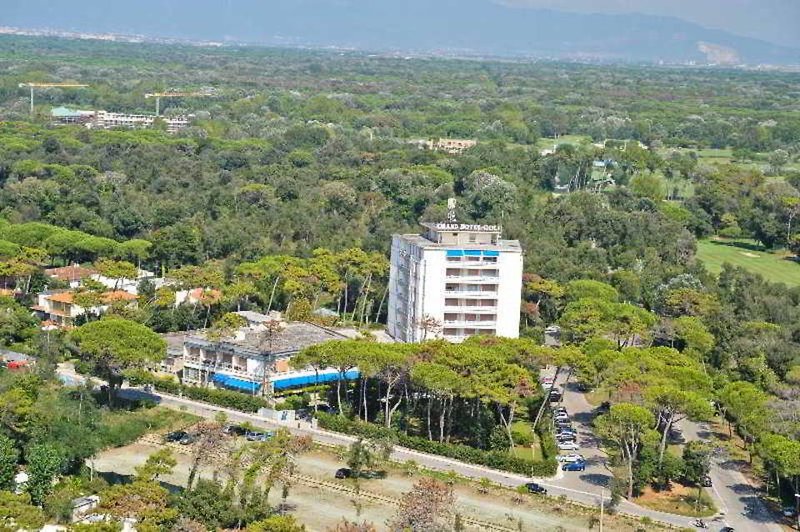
529,452
681,500
546,143
775,267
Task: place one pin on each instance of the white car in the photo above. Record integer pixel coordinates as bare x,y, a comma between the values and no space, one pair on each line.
568,446
572,457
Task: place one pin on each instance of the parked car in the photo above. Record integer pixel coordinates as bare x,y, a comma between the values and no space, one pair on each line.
568,446
574,466
558,409
547,382
188,439
555,395
566,437
565,430
533,487
346,472
258,436
174,437
562,425
788,511
562,418
234,430
706,481
572,457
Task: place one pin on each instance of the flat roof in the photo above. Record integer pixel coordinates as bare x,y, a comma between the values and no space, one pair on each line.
501,245
294,337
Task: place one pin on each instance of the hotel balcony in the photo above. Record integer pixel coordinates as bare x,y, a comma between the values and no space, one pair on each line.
471,309
463,323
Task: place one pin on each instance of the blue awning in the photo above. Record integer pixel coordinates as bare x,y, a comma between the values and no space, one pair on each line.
455,252
488,253
472,253
236,384
310,380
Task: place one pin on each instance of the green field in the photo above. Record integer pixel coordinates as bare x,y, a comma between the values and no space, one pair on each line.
776,267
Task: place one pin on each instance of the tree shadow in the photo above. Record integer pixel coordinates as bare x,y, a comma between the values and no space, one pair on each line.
733,465
750,246
596,479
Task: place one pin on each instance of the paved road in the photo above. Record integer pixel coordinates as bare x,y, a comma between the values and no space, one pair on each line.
583,487
738,501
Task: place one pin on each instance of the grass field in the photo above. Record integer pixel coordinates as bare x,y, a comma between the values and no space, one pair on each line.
775,267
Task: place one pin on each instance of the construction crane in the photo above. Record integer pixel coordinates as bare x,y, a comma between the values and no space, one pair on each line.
175,94
35,85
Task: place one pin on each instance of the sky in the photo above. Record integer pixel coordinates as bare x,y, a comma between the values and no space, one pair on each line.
776,21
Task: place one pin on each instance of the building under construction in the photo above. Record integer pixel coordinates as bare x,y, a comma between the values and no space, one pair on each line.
107,120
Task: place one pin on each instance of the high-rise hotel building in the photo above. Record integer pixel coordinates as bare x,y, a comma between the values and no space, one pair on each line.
453,281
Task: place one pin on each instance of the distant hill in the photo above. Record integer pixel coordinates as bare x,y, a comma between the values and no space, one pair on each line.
478,27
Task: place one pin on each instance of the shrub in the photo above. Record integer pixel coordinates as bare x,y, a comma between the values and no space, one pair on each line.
494,459
223,398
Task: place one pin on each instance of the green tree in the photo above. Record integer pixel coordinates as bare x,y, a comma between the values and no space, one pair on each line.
115,345
276,523
17,509
44,463
626,426
9,455
158,464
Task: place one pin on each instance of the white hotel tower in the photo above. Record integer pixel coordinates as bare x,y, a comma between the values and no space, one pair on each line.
454,281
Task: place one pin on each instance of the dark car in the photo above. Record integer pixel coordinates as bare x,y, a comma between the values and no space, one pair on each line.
344,472
565,436
574,466
706,481
188,439
234,430
555,395
533,487
174,437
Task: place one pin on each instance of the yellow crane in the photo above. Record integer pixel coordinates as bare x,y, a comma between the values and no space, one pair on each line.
175,94
36,85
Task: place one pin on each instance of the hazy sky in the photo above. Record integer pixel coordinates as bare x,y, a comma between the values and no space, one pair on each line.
776,21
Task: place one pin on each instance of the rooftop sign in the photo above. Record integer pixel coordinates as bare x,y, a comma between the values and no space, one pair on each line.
465,227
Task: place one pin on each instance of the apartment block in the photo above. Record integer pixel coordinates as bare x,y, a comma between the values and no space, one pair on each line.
454,281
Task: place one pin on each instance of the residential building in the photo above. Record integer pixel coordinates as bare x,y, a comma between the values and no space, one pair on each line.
129,285
453,281
255,359
60,309
453,146
73,274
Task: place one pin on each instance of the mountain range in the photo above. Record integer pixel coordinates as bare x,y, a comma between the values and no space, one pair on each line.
455,27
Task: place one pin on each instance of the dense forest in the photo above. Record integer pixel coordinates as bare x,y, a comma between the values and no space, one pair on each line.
285,191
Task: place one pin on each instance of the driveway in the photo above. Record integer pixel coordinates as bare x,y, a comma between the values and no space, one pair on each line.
587,485
738,501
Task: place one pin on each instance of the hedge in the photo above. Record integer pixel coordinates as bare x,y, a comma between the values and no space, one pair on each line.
464,453
224,398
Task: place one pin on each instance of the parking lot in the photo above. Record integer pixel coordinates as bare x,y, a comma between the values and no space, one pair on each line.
595,477
320,501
